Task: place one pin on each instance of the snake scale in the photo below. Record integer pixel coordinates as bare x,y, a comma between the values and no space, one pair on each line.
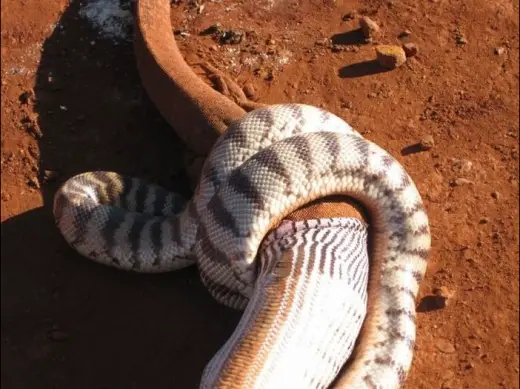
269,163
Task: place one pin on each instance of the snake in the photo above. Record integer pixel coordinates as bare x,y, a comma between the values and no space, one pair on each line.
267,164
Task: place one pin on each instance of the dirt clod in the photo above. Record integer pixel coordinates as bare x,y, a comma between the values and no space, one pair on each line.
33,182
405,34
27,97
500,50
444,293
427,142
231,37
461,40
445,346
461,181
337,48
349,16
461,165
390,57
50,175
410,49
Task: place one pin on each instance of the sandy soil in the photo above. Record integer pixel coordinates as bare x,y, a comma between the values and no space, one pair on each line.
72,102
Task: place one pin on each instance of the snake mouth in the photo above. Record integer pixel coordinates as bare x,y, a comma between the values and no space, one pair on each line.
306,311
197,112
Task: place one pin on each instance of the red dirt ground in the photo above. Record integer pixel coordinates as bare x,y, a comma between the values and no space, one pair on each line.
70,106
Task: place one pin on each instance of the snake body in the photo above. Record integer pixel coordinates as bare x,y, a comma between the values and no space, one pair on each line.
269,163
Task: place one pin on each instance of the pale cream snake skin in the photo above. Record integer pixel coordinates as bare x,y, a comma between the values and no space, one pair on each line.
268,164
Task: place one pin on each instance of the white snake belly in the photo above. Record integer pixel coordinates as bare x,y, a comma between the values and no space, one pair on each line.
265,166
304,317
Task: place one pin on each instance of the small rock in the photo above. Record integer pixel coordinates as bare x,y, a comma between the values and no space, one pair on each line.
495,195
426,142
461,165
441,297
58,335
265,74
50,175
445,346
322,42
271,42
347,105
337,48
461,181
483,220
33,129
410,49
26,97
461,40
348,16
33,182
405,34
390,57
444,293
231,37
369,27
499,50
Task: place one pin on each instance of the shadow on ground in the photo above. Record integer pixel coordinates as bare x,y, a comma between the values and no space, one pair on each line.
352,37
362,69
68,322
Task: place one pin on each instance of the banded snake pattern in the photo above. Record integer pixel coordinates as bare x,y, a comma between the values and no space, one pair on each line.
268,163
